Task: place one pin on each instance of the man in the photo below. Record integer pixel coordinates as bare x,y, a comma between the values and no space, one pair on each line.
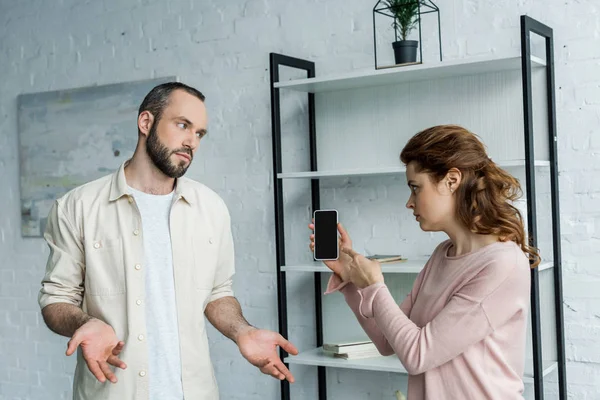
138,258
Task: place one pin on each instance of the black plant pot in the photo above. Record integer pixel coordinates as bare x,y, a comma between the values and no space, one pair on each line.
405,51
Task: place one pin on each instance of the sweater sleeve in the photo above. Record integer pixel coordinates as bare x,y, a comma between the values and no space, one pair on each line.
487,301
353,297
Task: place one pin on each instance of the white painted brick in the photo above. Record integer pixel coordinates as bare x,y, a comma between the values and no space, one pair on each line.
223,166
21,375
54,380
582,374
213,30
256,8
588,95
256,26
486,44
15,390
583,50
580,72
7,276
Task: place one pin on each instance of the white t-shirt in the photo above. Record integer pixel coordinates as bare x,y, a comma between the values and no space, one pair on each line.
162,334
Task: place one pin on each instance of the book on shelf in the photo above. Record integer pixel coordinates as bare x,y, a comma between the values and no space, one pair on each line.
357,355
349,347
351,350
387,258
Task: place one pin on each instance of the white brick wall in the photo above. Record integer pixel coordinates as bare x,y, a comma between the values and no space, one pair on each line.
222,48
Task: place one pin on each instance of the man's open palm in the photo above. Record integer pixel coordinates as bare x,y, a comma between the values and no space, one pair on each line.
259,347
100,347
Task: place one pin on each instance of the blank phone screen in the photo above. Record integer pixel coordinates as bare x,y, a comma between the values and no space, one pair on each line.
326,237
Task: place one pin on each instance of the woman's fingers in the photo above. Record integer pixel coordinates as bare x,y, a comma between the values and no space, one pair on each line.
344,236
350,252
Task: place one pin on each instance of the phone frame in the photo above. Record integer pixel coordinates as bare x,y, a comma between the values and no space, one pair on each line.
337,221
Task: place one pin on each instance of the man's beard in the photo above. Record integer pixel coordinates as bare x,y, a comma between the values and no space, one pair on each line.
159,154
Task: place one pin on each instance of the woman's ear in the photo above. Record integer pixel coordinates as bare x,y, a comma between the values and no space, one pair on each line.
453,179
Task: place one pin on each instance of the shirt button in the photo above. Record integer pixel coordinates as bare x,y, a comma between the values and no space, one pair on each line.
138,302
142,373
210,241
96,245
138,266
136,232
141,337
130,199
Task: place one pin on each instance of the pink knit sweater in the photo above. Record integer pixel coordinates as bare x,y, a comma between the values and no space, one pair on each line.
460,332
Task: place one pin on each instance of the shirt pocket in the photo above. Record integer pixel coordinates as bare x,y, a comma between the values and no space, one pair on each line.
206,256
104,270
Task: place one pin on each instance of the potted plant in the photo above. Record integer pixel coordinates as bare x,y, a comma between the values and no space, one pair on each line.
405,14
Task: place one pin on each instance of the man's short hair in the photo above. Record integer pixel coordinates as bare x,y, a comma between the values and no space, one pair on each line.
158,98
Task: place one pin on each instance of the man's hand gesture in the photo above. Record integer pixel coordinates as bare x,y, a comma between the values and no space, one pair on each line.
100,348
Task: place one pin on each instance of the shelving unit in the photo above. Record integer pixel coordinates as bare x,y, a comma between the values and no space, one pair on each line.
385,364
329,98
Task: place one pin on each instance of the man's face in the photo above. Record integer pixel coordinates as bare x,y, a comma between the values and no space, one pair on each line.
172,141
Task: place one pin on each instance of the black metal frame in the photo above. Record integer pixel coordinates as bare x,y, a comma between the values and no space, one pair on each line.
429,4
277,60
529,25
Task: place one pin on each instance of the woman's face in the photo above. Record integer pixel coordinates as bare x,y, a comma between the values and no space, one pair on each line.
433,204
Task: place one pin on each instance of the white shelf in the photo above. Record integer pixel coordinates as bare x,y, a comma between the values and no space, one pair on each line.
412,73
406,267
545,265
316,357
549,367
385,171
342,173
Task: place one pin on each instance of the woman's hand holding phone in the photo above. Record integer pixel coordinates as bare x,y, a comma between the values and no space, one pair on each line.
339,266
350,265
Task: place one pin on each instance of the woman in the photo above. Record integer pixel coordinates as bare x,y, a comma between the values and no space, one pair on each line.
460,333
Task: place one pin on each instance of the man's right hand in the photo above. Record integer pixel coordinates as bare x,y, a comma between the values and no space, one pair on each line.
100,347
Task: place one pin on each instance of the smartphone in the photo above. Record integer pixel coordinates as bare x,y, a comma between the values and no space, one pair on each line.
326,235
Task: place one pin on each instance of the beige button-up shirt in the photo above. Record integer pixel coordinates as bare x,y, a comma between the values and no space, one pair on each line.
96,250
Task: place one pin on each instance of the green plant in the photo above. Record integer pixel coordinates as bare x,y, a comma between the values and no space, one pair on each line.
405,15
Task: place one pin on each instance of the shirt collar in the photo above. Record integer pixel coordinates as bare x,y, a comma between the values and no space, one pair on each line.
119,187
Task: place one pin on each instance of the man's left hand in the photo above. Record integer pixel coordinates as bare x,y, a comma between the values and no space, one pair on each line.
259,347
